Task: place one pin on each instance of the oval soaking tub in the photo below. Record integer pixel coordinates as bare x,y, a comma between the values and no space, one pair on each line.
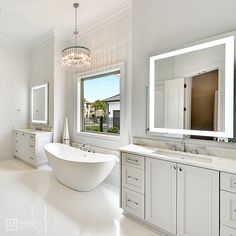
77,169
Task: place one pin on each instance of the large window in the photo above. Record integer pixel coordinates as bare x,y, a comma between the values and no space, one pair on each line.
100,103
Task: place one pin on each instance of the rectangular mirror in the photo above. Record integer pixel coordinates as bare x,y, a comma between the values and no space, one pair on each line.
39,104
191,90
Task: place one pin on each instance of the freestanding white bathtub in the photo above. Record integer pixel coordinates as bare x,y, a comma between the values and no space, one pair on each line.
77,169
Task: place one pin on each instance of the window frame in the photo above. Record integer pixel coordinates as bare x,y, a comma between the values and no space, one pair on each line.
78,119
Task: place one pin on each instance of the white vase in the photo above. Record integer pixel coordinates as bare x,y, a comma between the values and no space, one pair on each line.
66,135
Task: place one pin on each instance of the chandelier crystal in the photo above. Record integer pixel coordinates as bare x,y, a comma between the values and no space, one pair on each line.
76,56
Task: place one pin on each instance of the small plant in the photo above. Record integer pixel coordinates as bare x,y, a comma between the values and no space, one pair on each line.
94,128
113,130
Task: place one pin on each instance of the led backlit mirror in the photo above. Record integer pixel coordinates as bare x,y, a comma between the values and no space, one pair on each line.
191,90
39,104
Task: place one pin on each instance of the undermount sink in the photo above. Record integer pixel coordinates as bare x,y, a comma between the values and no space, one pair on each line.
185,156
33,130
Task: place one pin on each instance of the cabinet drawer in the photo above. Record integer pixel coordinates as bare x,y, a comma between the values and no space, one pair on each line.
17,152
133,203
228,209
228,182
133,178
30,137
133,160
227,231
31,148
17,133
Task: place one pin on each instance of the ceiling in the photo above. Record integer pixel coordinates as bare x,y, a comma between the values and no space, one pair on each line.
24,21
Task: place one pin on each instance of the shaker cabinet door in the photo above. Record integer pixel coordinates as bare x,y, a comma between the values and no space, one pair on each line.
198,201
161,194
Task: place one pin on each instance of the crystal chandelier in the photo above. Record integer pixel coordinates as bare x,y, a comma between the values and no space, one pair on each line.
75,56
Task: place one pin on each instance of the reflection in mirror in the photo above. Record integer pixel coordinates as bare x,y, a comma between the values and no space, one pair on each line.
189,91
39,108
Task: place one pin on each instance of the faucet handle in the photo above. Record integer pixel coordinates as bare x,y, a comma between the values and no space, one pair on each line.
199,148
171,146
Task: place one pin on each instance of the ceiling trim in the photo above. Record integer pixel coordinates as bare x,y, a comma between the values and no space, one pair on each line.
45,38
14,44
117,13
121,11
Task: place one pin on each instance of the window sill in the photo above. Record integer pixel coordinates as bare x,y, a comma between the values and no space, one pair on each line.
100,136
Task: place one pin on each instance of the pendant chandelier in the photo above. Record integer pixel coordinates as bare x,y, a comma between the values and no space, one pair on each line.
76,56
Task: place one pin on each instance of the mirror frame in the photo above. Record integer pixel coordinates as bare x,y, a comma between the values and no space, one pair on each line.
229,89
45,85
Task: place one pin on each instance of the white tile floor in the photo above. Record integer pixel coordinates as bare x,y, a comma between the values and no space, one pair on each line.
33,203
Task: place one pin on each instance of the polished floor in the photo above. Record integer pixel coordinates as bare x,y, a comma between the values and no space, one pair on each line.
33,203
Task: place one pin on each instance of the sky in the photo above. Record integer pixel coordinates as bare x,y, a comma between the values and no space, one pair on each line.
101,88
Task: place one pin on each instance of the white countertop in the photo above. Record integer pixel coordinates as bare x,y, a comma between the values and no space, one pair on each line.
33,131
204,161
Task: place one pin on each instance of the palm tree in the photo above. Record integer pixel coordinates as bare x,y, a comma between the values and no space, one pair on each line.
99,105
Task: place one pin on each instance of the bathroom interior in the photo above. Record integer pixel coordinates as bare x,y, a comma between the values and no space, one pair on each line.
118,118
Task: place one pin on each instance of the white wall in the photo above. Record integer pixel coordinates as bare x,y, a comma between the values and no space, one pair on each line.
113,106
14,81
60,95
45,66
161,25
109,45
42,70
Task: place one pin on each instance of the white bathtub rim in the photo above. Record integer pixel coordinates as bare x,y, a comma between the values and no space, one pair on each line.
96,161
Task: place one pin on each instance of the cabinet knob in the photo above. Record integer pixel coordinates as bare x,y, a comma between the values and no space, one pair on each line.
132,202
130,177
180,169
173,168
132,160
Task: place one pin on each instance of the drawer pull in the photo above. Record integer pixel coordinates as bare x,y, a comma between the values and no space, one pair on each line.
132,160
31,158
16,141
133,202
130,177
16,151
32,146
31,137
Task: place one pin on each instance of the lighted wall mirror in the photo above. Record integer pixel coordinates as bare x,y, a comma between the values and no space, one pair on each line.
39,104
191,90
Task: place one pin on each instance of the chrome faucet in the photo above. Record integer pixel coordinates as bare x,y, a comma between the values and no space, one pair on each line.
83,147
183,144
171,146
38,127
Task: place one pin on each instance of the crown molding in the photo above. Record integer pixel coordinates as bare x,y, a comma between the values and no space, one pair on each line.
46,38
53,34
121,11
14,44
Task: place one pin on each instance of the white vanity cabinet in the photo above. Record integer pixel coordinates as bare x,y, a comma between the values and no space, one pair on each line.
197,201
133,184
161,194
228,204
184,194
178,199
29,146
